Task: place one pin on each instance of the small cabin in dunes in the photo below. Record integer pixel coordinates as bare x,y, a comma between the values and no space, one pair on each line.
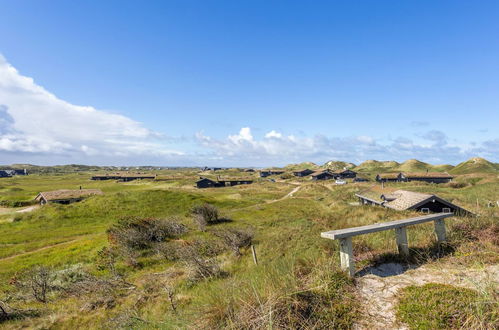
344,174
431,177
266,173
208,183
322,175
65,196
389,177
303,173
402,200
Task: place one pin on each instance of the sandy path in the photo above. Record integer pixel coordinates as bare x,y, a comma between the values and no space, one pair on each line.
28,209
37,250
378,291
290,194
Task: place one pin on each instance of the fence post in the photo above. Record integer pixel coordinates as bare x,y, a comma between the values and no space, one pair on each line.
253,252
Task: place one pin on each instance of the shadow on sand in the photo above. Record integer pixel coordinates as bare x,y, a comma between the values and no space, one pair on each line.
392,264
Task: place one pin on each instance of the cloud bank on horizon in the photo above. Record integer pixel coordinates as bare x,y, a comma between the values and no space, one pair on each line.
38,127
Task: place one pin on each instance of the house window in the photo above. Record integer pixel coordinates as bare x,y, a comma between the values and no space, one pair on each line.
425,210
446,210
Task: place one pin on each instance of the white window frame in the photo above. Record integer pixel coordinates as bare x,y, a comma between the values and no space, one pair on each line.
446,210
425,210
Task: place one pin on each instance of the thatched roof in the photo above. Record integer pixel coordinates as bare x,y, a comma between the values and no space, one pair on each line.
342,171
389,175
319,172
401,200
404,200
67,194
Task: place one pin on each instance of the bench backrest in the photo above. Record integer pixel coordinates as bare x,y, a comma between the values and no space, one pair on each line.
348,232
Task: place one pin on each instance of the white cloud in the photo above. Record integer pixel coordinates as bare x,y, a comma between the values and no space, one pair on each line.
278,149
32,120
35,125
273,134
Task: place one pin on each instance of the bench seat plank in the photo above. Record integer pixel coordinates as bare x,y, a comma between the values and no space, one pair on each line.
349,232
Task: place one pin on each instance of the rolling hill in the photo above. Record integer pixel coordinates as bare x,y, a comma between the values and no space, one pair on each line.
475,165
377,166
301,166
414,165
337,165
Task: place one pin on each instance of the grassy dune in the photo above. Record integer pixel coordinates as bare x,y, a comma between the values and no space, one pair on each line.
297,282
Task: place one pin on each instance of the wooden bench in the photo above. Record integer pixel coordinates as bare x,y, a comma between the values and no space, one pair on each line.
345,235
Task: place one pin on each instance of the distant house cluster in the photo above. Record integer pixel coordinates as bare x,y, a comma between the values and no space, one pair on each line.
125,177
11,173
338,174
402,200
430,177
209,183
266,173
303,173
65,196
206,168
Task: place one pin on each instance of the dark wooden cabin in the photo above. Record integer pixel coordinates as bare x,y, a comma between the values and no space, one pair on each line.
430,177
389,177
344,174
360,179
303,173
208,183
322,175
266,173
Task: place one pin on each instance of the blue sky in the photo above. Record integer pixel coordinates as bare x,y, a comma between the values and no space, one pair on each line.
248,83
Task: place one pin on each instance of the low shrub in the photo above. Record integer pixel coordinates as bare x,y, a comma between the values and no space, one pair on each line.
37,282
199,266
132,235
235,239
141,233
456,185
204,215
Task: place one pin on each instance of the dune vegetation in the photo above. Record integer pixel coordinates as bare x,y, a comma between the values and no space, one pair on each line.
163,254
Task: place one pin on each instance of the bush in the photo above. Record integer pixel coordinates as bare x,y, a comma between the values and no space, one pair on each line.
38,281
199,266
235,239
133,234
205,215
456,185
141,233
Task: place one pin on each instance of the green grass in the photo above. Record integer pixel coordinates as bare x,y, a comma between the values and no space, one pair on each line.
297,273
439,306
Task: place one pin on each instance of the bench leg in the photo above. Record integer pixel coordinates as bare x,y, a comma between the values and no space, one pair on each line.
403,247
346,255
440,230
